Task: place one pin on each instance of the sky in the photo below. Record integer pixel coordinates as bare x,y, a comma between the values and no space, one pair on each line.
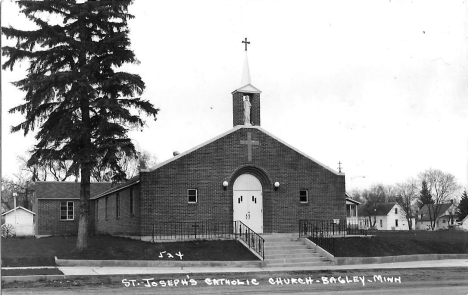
380,86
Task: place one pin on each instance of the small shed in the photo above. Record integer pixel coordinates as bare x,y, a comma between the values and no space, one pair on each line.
21,219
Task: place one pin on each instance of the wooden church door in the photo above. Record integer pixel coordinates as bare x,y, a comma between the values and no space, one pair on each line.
248,202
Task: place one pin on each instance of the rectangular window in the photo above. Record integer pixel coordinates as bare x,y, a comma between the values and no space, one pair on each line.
396,222
443,220
192,195
66,211
105,208
303,196
117,205
131,202
381,224
396,210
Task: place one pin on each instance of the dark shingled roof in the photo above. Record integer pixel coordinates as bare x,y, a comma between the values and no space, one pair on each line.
382,209
66,190
425,211
130,182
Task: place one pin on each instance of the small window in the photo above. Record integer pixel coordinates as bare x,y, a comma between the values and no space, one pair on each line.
396,210
443,220
117,205
396,222
105,208
381,223
132,212
192,195
66,211
303,196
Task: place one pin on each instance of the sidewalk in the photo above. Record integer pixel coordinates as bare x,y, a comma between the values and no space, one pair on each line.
72,272
85,271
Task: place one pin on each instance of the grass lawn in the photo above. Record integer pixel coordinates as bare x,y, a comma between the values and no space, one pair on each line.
41,252
393,243
30,272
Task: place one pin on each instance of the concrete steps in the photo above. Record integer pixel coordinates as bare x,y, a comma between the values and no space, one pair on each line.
286,250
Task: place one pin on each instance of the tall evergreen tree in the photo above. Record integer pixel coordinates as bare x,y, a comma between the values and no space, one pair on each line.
83,106
425,195
463,206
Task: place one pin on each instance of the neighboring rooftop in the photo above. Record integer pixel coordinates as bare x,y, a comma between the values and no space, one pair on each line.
382,209
439,208
66,190
18,208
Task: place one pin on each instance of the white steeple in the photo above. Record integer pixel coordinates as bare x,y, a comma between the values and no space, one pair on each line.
246,72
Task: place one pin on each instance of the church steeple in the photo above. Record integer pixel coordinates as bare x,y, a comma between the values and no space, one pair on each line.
246,99
246,72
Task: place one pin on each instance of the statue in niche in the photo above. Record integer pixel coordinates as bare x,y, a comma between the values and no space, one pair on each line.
247,107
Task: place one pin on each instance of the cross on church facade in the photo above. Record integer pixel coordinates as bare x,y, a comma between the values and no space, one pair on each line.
246,43
339,167
249,142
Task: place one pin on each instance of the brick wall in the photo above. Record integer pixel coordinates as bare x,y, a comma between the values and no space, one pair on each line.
48,218
126,223
164,191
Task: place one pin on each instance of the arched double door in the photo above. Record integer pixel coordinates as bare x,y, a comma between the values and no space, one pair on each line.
248,202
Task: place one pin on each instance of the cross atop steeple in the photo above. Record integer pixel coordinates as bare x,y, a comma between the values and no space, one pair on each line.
246,43
339,167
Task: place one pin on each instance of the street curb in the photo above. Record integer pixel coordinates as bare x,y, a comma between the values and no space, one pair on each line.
392,259
153,263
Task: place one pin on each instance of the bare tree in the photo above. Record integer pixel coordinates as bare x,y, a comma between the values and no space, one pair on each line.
441,186
49,170
130,165
20,185
407,194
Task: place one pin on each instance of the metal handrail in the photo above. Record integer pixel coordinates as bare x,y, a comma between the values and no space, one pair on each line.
251,238
323,233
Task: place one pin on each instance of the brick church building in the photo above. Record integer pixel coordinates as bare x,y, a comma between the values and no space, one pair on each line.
244,174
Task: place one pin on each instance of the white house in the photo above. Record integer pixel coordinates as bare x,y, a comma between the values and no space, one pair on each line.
351,210
387,216
22,221
464,223
446,215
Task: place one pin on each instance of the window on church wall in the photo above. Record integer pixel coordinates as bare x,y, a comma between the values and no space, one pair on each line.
132,212
303,196
381,223
192,196
117,205
396,222
66,211
396,210
105,207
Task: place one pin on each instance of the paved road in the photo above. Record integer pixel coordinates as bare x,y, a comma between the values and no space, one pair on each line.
406,289
401,281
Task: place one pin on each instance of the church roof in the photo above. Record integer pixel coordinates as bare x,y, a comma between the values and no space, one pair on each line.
130,182
231,131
